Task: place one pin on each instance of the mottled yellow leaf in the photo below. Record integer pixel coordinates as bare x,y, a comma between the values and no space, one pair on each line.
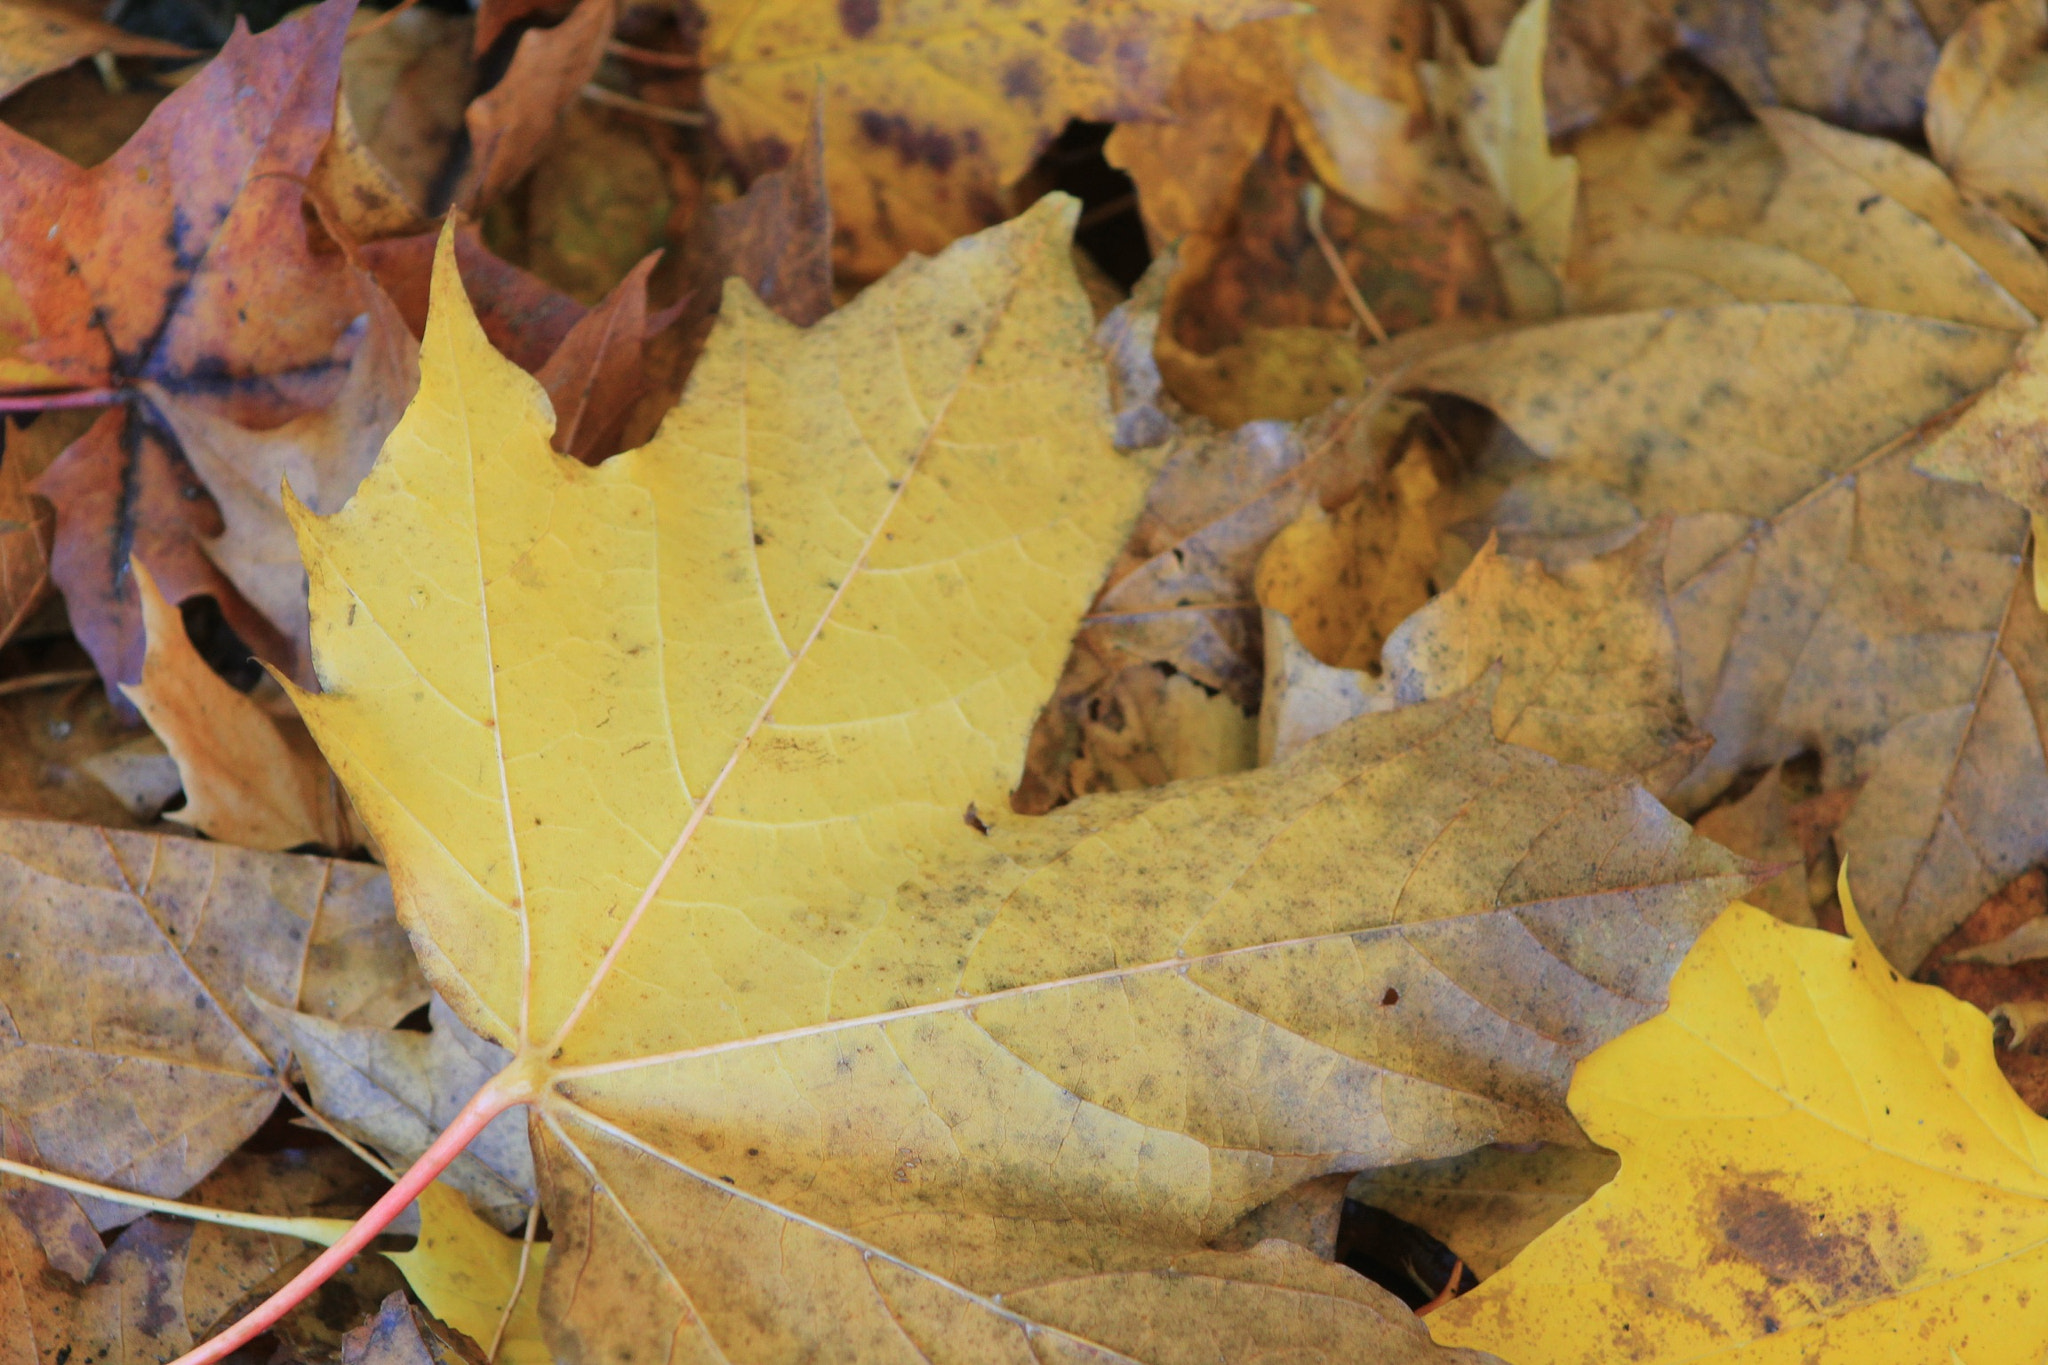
693,768
933,110
1819,1161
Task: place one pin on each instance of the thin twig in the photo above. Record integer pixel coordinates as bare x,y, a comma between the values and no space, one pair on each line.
518,1283
76,398
35,682
325,1231
1312,209
321,1121
612,99
647,56
381,20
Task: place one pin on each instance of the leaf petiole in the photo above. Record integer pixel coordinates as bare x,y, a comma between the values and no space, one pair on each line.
498,1095
325,1231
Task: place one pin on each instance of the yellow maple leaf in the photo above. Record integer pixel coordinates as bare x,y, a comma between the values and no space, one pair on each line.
933,111
693,771
1819,1160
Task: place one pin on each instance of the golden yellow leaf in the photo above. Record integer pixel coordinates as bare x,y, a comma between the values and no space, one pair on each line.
1827,596
246,781
1819,1160
1987,109
933,111
694,770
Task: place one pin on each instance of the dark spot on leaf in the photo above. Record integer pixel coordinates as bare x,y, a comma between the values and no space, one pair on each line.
1082,42
974,820
760,539
1392,997
859,17
916,146
1866,204
1022,81
1792,1246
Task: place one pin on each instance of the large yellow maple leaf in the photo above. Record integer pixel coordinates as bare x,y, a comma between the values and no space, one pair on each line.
693,767
1819,1161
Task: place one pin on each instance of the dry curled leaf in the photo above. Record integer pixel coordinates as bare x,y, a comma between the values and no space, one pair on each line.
1988,104
36,39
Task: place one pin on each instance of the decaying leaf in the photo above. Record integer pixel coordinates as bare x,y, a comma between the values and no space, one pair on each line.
1987,105
702,916
24,536
2001,442
1589,660
183,262
1861,64
397,1089
1816,1156
931,114
401,1334
508,123
1345,77
138,1056
1827,597
250,778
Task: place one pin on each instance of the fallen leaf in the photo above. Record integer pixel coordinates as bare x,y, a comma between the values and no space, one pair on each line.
1344,74
1130,983
64,755
1988,99
396,1089
182,262
1759,827
508,123
138,1057
1345,579
1815,1156
598,199
1713,206
407,83
1491,1202
1596,48
2001,442
401,1334
321,454
465,1271
1827,598
246,782
523,315
1259,280
1589,657
36,39
1495,114
930,115
24,536
1178,600
1861,64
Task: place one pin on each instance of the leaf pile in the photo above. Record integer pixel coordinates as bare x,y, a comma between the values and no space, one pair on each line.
659,705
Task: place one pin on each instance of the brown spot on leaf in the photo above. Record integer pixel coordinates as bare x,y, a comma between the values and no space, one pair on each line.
917,146
1022,80
859,17
1081,41
1794,1245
